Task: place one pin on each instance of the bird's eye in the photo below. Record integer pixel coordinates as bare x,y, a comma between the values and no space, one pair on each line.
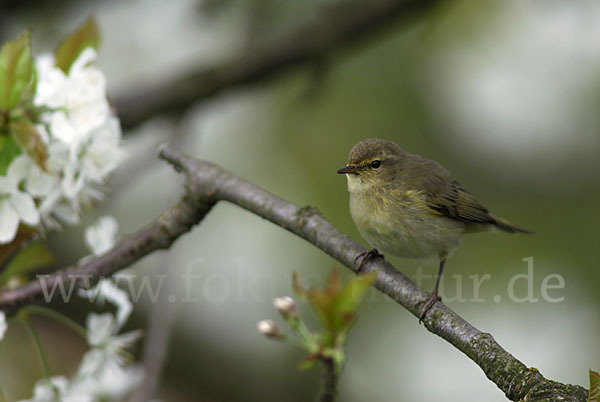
375,164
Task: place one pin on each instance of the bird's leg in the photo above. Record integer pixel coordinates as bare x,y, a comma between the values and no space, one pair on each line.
434,295
366,256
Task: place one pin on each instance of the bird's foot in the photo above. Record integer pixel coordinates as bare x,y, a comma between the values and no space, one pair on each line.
366,256
429,302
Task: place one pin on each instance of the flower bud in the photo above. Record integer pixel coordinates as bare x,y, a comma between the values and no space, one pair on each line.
286,306
269,329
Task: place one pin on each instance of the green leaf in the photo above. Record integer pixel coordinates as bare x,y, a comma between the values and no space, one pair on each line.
8,151
594,387
348,298
16,70
29,93
336,305
71,47
321,305
28,137
343,306
32,257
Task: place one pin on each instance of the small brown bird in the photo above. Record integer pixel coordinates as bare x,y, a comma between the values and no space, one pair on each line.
410,206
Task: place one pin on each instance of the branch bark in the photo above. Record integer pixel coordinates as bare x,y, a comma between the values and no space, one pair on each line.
337,26
330,381
207,184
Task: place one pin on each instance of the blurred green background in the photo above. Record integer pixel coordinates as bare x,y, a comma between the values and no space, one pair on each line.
506,95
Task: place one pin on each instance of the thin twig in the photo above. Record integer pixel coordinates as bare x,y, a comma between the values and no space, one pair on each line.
162,315
58,317
38,345
160,234
330,381
207,184
337,26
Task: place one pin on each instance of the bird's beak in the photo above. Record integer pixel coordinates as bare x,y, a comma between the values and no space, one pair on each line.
349,169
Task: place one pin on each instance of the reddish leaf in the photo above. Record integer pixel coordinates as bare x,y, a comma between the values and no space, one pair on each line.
334,283
71,47
594,387
27,136
336,305
298,289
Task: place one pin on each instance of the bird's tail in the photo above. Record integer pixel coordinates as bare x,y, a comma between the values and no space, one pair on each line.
505,225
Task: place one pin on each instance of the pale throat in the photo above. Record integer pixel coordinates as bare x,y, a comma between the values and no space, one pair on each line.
356,184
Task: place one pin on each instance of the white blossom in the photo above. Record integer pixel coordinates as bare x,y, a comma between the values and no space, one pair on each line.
15,205
82,139
101,236
107,290
109,384
105,372
3,326
79,98
54,389
103,337
102,154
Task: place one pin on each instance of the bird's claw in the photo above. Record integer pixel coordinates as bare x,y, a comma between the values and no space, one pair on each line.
366,256
429,302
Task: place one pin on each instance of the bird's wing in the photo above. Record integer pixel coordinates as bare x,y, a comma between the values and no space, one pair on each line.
455,202
445,195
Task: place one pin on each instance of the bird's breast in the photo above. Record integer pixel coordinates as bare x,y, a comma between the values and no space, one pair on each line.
400,223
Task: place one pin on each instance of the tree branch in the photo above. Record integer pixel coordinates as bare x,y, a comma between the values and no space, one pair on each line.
207,183
337,26
330,381
159,234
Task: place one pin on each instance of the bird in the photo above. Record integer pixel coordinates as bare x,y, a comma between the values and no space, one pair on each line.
410,206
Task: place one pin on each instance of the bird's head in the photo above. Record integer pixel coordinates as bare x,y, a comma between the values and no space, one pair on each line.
372,162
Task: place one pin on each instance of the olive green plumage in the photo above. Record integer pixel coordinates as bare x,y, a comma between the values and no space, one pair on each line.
410,206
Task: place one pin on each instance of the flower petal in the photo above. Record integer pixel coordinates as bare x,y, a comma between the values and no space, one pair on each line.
7,186
62,129
40,183
3,326
25,207
100,328
87,56
49,390
9,222
19,168
100,237
67,212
